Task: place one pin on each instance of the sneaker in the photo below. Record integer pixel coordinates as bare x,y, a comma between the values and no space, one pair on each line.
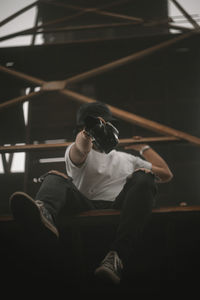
32,215
110,268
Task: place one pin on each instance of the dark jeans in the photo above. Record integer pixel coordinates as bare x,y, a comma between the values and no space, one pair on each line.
135,202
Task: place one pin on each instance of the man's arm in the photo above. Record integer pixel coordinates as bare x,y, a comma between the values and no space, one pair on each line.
80,149
159,166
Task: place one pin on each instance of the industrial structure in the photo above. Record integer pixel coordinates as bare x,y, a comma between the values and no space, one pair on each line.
122,53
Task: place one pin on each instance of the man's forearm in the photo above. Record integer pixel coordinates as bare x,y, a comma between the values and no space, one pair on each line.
80,149
159,166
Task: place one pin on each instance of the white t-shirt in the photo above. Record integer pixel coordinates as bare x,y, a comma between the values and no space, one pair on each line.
102,176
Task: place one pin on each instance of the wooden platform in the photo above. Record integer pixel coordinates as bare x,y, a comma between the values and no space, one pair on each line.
165,259
113,212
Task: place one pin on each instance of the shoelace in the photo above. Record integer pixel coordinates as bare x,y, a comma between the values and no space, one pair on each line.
44,211
112,261
39,203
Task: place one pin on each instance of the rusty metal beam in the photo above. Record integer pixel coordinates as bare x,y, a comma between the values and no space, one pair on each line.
189,18
18,13
19,75
119,113
86,27
19,99
181,28
33,30
136,120
118,63
96,26
122,143
99,10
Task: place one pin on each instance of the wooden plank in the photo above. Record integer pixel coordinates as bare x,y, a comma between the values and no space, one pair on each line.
159,210
112,212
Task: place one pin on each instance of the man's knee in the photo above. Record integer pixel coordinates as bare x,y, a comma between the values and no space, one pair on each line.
144,178
58,173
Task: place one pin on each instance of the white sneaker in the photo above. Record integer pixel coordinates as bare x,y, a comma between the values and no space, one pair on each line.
110,268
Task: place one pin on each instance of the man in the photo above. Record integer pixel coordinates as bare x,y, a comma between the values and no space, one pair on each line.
97,180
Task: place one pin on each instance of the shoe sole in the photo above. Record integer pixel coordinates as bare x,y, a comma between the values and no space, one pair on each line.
106,275
28,215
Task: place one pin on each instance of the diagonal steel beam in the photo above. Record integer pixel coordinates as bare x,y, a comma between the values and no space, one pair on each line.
43,30
136,120
18,13
118,63
32,30
121,114
188,16
19,99
19,75
98,10
81,11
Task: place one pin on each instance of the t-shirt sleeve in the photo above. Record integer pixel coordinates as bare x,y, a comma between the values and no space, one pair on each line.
141,163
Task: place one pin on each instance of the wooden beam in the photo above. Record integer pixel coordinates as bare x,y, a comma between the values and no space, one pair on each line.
112,212
122,143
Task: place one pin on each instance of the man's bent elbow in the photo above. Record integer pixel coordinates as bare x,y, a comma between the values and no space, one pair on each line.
167,177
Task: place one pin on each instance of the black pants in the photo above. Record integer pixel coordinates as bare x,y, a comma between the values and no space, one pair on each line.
135,202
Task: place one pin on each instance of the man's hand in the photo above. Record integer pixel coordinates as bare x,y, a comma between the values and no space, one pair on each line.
159,166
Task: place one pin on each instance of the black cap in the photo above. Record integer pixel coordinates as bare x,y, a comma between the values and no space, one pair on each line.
95,109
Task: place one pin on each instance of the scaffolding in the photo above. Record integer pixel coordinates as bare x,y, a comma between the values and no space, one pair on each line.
65,87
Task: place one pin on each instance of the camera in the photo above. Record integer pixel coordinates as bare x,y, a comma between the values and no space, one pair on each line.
104,134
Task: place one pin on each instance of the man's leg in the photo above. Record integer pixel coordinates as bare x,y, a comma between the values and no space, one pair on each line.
40,215
135,202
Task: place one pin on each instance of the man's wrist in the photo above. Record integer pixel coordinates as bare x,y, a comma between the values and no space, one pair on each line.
143,149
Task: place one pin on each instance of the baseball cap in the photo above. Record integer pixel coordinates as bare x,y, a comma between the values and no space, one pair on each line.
95,109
